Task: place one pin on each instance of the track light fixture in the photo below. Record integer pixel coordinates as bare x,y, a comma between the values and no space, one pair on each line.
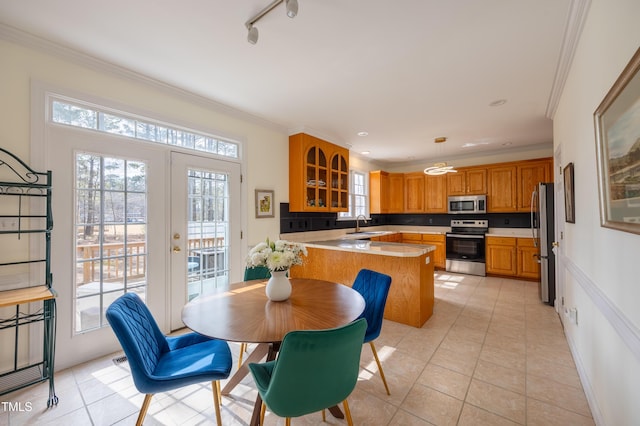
292,11
292,8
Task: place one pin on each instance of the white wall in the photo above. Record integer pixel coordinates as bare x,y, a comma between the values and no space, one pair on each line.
600,264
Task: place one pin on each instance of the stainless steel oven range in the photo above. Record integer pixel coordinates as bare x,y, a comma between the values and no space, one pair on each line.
465,247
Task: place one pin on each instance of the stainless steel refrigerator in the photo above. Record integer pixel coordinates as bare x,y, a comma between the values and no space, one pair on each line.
542,230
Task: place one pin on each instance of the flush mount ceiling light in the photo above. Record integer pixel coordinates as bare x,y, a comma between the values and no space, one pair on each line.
442,167
363,134
292,11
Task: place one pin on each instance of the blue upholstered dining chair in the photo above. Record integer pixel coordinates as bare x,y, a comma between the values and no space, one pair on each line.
374,288
315,370
159,363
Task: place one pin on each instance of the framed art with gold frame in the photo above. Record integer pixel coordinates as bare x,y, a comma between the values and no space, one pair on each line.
264,203
617,124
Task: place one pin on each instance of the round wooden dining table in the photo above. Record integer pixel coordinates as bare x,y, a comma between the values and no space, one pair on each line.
242,312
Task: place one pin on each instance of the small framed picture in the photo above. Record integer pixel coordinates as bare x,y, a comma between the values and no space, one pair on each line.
569,194
264,203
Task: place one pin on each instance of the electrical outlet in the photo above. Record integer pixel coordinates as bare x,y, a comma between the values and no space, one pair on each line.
573,315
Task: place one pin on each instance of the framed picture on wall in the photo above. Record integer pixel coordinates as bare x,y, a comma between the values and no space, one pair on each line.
569,195
264,203
617,123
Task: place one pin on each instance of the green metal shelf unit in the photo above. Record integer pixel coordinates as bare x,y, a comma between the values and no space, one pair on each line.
27,299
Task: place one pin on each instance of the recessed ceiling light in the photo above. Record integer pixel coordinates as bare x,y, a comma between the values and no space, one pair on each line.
366,152
498,102
506,144
363,133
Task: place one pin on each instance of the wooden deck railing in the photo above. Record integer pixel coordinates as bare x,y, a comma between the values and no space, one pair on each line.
114,256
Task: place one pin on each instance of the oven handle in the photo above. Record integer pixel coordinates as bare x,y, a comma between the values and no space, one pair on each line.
479,237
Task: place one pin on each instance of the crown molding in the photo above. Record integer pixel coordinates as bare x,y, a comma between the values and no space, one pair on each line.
31,41
578,11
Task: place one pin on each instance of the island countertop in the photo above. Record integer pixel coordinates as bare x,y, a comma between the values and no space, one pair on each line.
373,247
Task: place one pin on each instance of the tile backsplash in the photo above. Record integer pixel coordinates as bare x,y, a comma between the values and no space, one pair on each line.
303,222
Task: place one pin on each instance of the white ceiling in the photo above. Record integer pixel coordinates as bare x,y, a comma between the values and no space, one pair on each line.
404,71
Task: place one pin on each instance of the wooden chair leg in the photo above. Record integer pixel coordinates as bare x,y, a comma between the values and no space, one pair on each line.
143,409
347,413
215,387
243,349
375,355
287,421
263,409
324,418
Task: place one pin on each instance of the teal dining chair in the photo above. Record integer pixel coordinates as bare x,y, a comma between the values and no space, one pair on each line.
315,370
374,288
252,273
160,363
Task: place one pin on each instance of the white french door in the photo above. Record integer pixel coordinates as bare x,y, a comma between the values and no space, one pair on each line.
109,234
205,228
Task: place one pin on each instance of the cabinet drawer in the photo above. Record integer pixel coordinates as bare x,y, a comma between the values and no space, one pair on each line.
412,237
432,238
526,242
501,241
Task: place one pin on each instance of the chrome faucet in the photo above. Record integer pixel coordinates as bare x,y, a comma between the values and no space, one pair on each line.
358,221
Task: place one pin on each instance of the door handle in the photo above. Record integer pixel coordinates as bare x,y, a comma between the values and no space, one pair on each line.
176,249
555,244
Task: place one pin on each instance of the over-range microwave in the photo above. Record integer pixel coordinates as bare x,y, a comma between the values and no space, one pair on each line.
468,204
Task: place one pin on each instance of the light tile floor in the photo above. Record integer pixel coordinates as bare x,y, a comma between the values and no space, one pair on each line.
491,354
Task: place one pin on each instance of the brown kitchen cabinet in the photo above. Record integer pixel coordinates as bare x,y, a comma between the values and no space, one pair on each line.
435,194
378,191
513,257
439,256
437,240
396,192
508,187
395,237
529,174
501,193
411,238
528,266
501,256
467,181
414,192
339,182
318,175
386,192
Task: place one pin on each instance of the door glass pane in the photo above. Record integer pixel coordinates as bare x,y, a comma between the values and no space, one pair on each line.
110,234
208,231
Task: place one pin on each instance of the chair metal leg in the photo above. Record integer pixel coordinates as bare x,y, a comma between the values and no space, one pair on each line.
263,409
324,418
143,409
215,387
375,355
347,413
287,421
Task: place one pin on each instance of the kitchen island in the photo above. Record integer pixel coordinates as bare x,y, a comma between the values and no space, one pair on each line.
410,266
